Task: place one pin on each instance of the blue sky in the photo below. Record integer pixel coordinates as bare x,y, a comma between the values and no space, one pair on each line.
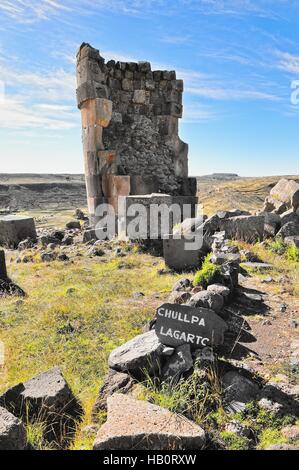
238,59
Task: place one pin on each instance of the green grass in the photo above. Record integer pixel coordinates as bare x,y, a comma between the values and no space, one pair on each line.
75,314
234,442
207,274
194,397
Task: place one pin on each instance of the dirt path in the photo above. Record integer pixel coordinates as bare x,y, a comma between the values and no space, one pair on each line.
273,322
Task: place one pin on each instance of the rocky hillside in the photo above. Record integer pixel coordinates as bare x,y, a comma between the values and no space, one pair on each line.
235,192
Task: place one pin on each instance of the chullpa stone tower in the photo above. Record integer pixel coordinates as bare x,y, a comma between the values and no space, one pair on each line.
130,135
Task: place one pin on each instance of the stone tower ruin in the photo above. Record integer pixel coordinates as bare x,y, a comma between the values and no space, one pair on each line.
130,130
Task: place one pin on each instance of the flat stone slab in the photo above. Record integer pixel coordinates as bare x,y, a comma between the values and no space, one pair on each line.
257,266
139,425
14,229
12,432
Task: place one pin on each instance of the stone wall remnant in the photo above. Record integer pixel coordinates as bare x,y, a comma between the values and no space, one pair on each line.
130,129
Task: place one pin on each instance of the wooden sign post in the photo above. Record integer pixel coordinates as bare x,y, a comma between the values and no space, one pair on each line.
179,324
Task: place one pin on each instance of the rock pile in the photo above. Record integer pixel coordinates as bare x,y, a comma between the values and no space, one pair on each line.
278,219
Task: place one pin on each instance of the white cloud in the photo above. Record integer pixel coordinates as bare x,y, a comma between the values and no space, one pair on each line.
232,93
28,11
17,113
54,85
38,100
197,112
288,62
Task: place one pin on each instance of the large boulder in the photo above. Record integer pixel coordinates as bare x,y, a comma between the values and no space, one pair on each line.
137,355
249,228
138,425
285,193
46,398
12,432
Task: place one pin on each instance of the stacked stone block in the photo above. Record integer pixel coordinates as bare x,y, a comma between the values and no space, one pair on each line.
130,129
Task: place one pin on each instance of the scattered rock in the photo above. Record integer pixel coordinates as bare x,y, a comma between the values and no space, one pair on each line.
293,241
289,216
239,429
179,362
182,285
207,299
291,432
284,195
279,398
294,323
67,240
238,389
73,224
25,244
267,280
114,382
178,297
12,432
48,257
290,229
222,258
138,295
139,425
258,266
141,352
282,447
220,290
250,256
63,257
79,214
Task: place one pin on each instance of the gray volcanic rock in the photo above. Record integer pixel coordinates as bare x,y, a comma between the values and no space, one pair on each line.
139,425
46,397
207,299
114,382
12,432
289,229
141,352
179,362
249,228
220,290
238,389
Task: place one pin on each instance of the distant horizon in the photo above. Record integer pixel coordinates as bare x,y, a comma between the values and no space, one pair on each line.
190,175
